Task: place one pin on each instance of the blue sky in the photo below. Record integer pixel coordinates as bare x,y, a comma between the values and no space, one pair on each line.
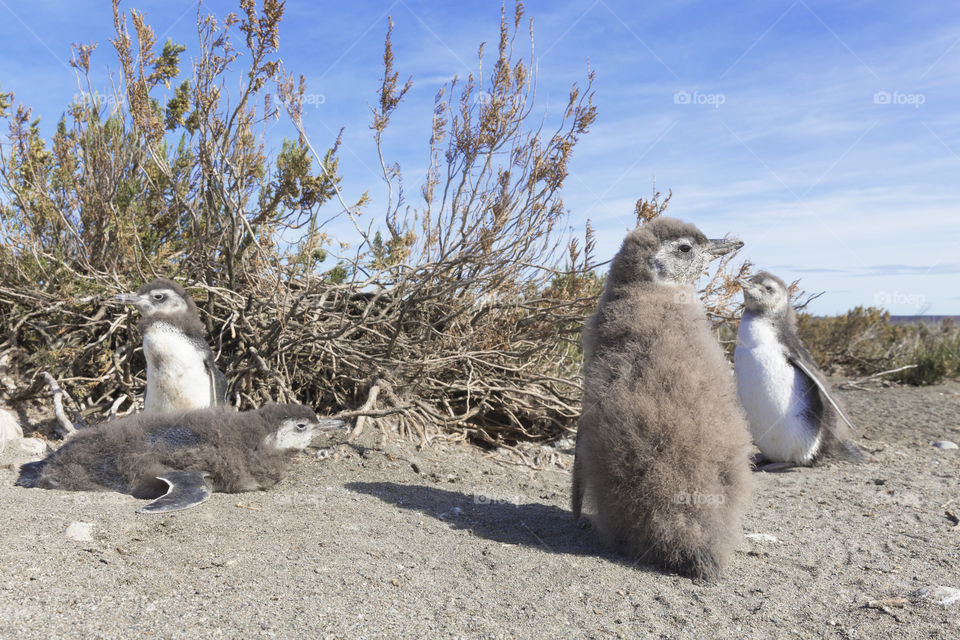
825,135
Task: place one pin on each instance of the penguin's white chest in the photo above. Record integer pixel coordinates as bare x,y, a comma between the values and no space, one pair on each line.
177,377
773,394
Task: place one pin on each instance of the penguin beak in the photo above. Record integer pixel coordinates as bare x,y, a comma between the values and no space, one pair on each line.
749,288
329,424
723,246
127,298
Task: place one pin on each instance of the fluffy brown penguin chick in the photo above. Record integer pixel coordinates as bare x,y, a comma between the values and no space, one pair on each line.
179,458
663,451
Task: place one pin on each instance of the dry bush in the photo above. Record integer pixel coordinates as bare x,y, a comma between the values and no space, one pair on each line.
459,315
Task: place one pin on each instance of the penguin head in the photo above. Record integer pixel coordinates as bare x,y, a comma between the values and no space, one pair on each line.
764,292
162,296
293,426
667,251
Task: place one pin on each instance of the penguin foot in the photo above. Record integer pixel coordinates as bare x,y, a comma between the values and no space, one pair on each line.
699,564
775,467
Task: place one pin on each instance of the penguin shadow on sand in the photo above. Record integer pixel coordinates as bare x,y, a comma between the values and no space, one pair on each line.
541,526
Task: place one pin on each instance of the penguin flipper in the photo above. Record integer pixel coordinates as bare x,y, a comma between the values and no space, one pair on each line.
187,489
812,377
218,382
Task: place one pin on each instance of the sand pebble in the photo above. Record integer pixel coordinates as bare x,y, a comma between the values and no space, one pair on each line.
80,531
762,537
33,446
940,594
944,444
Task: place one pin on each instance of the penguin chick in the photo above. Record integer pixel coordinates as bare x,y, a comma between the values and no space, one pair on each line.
181,373
179,458
662,454
792,416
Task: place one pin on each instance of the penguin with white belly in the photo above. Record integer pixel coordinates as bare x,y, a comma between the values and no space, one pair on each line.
793,418
181,373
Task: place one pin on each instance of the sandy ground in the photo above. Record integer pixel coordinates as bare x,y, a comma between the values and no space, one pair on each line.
395,541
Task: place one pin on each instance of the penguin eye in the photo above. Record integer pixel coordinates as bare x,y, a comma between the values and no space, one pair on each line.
768,288
301,426
158,296
684,248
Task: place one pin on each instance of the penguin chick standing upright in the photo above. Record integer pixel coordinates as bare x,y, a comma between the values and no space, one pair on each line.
181,373
179,458
793,418
662,453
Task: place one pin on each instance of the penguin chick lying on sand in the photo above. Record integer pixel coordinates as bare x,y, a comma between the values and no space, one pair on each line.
793,418
181,373
662,447
180,458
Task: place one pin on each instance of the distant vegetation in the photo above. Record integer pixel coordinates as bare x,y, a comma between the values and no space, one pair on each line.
864,341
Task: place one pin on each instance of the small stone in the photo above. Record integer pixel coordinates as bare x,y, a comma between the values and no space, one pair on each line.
9,428
80,531
944,444
762,537
941,595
